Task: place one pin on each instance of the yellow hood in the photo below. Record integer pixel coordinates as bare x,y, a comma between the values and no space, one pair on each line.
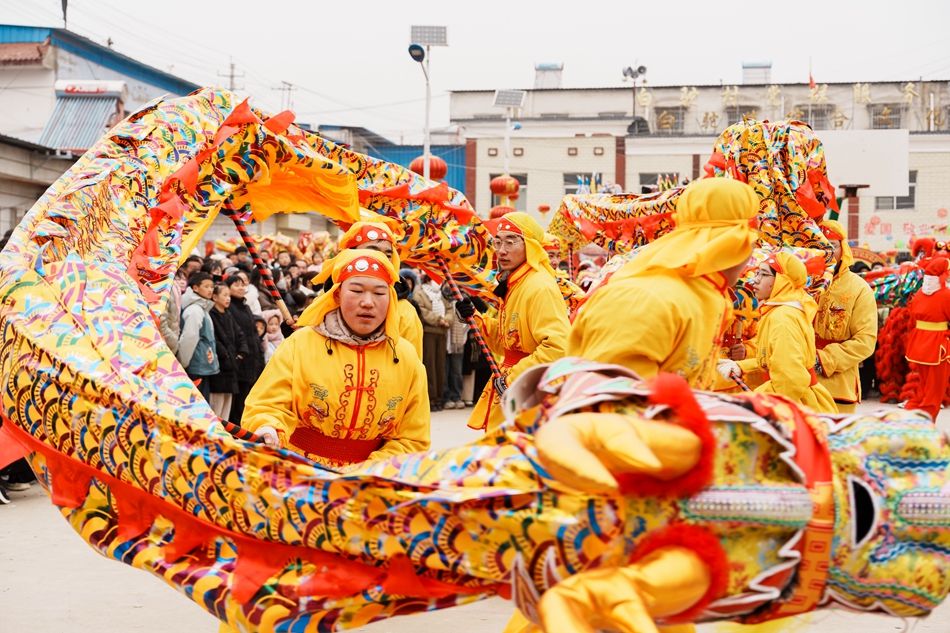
362,232
715,229
330,301
834,230
533,237
791,279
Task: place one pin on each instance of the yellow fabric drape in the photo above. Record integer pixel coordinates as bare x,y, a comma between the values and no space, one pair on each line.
715,230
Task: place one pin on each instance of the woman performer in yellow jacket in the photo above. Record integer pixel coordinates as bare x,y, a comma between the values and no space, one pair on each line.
786,339
345,387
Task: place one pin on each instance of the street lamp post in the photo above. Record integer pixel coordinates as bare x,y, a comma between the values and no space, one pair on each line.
427,36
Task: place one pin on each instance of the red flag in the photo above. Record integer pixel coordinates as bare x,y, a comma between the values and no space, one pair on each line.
811,81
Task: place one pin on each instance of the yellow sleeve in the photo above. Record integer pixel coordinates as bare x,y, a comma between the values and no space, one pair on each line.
410,327
788,360
488,324
412,432
625,326
271,400
546,322
838,357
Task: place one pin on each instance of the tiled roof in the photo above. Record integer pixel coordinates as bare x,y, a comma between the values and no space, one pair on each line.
78,122
22,53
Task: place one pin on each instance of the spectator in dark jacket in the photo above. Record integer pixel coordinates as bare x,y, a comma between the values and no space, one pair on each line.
231,349
250,368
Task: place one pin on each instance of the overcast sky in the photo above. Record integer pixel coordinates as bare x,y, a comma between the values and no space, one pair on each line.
348,59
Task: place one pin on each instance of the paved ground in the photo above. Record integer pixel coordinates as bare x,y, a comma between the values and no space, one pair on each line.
52,582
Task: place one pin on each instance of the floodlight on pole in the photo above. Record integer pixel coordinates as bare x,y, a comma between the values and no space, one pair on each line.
509,100
632,74
426,36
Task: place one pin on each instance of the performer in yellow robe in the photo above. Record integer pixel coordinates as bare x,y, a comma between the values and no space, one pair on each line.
382,237
786,339
345,387
667,309
532,324
846,325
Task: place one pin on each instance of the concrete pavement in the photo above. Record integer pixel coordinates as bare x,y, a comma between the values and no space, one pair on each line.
52,582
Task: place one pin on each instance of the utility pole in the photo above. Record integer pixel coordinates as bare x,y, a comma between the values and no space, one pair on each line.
231,77
286,97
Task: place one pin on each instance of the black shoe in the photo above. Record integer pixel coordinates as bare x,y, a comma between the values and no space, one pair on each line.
4,499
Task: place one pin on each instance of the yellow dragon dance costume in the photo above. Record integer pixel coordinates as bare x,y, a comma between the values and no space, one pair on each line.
732,507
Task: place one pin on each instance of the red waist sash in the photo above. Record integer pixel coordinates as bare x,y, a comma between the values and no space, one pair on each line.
338,449
811,371
822,343
513,357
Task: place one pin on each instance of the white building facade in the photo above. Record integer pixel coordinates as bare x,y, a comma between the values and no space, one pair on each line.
891,136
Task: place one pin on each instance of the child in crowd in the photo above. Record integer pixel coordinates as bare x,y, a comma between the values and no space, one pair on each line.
196,347
273,337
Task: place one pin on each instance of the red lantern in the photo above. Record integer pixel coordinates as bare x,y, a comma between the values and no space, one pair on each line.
497,212
513,196
543,209
437,167
504,186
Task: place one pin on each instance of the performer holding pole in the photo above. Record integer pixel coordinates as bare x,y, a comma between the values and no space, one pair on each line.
532,325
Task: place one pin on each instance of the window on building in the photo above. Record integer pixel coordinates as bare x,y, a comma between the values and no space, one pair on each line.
885,116
900,203
735,114
521,204
818,116
668,120
650,182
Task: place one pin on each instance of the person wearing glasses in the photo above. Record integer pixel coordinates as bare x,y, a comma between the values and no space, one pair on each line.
667,309
786,338
846,325
532,326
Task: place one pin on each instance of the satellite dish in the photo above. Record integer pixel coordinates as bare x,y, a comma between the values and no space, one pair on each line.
629,73
642,70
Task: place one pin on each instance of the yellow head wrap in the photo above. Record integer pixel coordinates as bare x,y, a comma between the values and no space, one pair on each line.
715,230
526,226
551,242
362,232
340,266
791,278
834,230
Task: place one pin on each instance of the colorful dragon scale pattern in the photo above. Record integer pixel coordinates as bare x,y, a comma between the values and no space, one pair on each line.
266,541
783,162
